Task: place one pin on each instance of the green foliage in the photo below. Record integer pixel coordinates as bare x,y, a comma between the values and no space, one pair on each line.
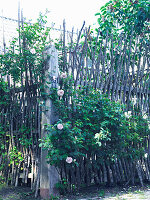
4,97
24,139
61,145
89,123
92,124
26,53
2,134
23,66
3,153
15,156
52,197
126,16
101,193
135,142
128,19
62,186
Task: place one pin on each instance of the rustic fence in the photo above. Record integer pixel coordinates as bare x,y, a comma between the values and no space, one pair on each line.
120,71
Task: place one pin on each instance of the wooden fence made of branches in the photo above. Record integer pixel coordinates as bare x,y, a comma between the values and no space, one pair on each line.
118,67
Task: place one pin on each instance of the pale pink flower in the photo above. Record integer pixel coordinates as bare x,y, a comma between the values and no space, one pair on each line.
60,93
63,75
33,51
60,126
69,160
54,78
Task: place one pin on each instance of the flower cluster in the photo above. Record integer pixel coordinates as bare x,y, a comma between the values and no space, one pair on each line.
60,93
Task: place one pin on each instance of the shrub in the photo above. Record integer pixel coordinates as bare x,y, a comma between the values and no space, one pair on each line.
92,125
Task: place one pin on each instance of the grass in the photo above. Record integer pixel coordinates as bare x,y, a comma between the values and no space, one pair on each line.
101,193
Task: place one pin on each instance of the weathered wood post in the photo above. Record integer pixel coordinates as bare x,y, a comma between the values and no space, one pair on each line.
48,174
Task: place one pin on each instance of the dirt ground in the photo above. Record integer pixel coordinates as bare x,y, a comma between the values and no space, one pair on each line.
16,193
114,193
93,193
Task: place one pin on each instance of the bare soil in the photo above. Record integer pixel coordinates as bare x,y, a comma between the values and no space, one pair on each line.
16,193
91,193
113,193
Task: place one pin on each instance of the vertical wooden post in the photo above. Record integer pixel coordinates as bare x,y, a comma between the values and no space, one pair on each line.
48,174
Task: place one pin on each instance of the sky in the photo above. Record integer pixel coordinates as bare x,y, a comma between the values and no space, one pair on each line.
74,12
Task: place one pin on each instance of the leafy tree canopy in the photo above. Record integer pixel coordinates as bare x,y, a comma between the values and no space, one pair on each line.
125,16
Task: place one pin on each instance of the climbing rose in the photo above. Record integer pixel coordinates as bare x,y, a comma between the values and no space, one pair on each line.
54,78
33,51
69,160
60,93
63,75
60,126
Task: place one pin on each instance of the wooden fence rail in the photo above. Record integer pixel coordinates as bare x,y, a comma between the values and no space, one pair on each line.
121,70
117,68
